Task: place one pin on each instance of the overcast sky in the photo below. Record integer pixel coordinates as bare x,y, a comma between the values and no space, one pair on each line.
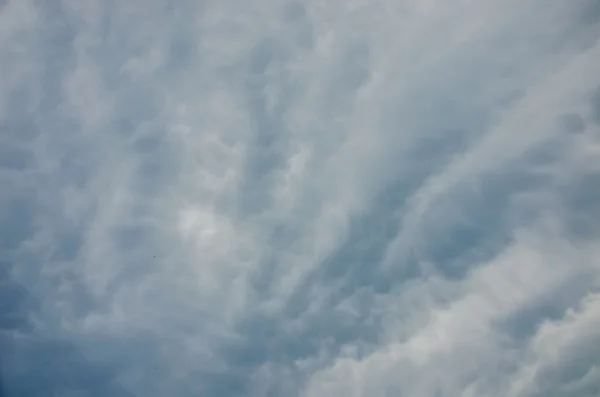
309,198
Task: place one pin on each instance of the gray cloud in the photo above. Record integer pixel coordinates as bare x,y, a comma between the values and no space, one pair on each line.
595,106
299,198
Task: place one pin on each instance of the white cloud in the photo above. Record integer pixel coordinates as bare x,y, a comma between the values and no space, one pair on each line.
464,344
300,198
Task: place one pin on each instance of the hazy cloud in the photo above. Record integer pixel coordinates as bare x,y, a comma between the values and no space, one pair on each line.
300,198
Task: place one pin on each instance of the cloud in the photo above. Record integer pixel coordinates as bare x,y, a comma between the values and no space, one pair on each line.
299,198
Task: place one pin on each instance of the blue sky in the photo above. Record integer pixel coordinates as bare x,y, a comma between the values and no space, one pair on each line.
300,198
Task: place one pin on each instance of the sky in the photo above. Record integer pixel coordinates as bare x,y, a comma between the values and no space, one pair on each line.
300,198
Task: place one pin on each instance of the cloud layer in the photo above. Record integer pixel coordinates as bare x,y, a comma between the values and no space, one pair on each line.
315,198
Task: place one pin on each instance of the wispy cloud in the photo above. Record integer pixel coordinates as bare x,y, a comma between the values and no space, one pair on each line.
300,198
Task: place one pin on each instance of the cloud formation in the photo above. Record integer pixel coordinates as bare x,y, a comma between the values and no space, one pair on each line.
300,198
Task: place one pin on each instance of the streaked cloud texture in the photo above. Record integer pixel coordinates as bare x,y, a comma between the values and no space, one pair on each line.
300,198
